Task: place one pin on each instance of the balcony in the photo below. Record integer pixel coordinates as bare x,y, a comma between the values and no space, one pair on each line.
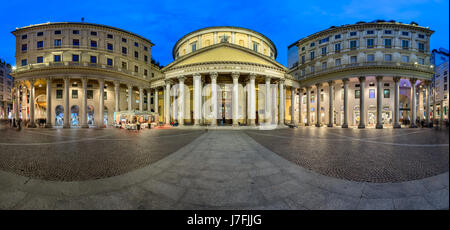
50,65
388,64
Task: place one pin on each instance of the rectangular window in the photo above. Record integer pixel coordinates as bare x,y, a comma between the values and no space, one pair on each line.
405,58
40,34
312,44
313,69
57,31
109,46
324,50
370,43
357,94
40,44
75,32
370,32
75,57
337,47
110,36
404,33
312,55
59,94
90,94
57,42
109,61
124,40
303,48
124,50
194,47
136,69
145,58
337,36
93,33
24,62
353,44
387,93
337,62
59,85
405,44
371,93
93,59
124,65
136,44
74,94
303,59
324,40
57,58
145,48
388,57
353,33
370,57
324,65
145,72
40,59
421,36
105,95
421,61
387,43
93,44
421,46
353,59
255,46
76,42
24,36
388,32
24,47
386,84
136,54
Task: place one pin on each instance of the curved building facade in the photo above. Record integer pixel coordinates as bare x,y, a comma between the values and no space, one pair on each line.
366,74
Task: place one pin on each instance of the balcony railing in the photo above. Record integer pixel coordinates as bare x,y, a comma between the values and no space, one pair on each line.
366,64
78,65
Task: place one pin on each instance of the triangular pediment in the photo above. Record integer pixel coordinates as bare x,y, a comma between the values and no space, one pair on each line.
224,52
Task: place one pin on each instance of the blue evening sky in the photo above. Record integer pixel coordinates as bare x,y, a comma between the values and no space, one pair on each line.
165,21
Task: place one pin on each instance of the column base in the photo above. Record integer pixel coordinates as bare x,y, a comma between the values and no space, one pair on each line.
413,126
32,125
318,125
306,124
397,126
85,126
379,126
345,126
252,122
330,125
48,125
361,126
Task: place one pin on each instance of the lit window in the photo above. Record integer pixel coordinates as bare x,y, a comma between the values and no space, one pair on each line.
357,94
387,93
371,93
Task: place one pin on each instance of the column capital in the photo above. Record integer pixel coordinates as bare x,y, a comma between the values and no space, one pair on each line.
84,79
235,75
330,83
66,78
268,78
181,78
281,81
413,80
49,78
345,80
213,75
130,85
396,79
101,80
379,78
361,78
168,81
318,85
116,83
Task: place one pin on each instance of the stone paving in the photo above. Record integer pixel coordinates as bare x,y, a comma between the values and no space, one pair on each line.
368,155
222,170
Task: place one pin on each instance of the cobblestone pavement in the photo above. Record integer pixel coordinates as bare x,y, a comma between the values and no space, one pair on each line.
222,170
84,154
368,155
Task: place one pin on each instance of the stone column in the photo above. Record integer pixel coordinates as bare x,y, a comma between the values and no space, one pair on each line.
396,103
181,101
362,110
101,98
293,105
66,103
149,95
117,96
441,117
156,101
197,98
379,101
130,99
167,103
48,122
267,102
141,99
318,105
18,102
84,123
32,123
308,105
330,104
213,77
274,104
235,77
345,124
427,116
413,103
281,103
300,101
